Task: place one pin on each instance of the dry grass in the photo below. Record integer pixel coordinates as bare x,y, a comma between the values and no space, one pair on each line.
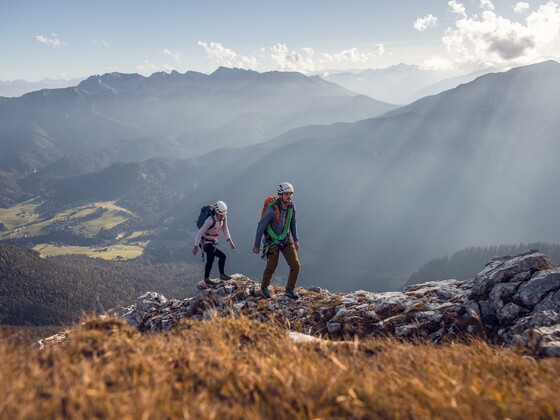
233,368
27,335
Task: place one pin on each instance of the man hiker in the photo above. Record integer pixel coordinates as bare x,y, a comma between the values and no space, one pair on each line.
207,238
278,225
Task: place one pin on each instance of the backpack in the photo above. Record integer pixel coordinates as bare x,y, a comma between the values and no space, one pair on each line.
273,201
205,212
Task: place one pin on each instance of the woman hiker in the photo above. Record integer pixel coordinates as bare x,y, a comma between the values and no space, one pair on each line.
209,234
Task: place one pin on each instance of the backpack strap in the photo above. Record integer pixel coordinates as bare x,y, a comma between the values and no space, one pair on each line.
285,231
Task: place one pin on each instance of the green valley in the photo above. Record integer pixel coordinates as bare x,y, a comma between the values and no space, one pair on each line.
30,221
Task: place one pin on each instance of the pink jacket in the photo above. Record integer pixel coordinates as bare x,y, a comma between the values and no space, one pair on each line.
213,234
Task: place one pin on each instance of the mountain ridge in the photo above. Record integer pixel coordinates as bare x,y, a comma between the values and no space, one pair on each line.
193,106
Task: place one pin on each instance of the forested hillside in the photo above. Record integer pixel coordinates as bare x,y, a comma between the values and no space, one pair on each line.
465,264
58,290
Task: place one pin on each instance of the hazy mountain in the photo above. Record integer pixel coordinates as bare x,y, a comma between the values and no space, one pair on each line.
447,84
400,84
128,150
20,87
475,165
41,127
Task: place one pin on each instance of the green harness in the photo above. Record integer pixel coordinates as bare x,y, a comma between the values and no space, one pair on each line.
284,234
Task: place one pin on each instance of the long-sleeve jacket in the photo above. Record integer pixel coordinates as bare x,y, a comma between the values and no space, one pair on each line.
268,218
212,234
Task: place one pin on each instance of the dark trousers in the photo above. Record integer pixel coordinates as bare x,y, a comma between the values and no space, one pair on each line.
211,252
290,254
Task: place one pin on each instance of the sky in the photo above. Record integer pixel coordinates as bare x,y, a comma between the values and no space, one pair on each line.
65,39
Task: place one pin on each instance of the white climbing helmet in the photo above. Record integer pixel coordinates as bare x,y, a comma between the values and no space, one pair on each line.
220,207
285,187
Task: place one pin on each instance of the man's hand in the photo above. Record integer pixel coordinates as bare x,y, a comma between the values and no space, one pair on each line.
256,249
194,250
296,245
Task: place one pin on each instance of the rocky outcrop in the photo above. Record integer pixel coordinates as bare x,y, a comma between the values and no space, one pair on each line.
518,300
514,300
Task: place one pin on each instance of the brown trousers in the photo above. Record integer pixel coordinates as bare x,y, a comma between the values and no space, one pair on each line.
272,255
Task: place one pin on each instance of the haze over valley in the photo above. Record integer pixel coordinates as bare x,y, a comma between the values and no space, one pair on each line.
380,189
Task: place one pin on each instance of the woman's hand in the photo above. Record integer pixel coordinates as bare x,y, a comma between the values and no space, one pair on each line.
194,250
231,244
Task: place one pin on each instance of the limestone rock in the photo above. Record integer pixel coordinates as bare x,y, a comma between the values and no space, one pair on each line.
515,300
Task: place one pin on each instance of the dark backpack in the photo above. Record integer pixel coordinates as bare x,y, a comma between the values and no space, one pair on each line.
205,213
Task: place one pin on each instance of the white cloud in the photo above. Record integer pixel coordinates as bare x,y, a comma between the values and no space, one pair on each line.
437,63
457,8
167,68
226,57
352,55
286,60
544,25
147,68
425,22
53,41
486,5
280,57
101,43
521,7
492,40
174,55
307,60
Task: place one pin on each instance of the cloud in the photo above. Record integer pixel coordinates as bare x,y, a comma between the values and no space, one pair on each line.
457,8
521,7
226,57
174,55
280,57
492,40
286,60
425,22
53,41
544,25
147,68
486,5
306,60
353,55
101,43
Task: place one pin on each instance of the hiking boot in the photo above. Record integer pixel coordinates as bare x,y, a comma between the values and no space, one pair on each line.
225,277
208,281
292,293
266,292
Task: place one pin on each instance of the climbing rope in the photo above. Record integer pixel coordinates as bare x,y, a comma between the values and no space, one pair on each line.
227,248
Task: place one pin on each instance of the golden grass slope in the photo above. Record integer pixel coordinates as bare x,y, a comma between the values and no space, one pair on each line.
237,368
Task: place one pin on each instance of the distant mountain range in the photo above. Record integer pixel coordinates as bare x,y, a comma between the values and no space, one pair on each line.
402,83
13,88
230,107
376,199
